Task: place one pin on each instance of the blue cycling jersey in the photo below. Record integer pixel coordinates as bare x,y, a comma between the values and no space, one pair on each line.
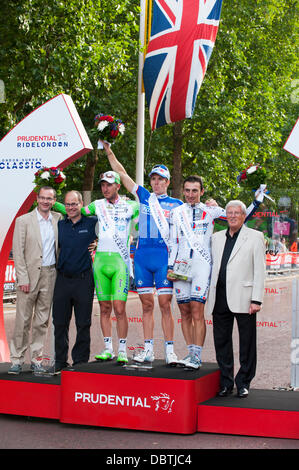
149,234
151,255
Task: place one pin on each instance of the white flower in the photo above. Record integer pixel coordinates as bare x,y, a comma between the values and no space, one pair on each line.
45,175
252,169
121,128
102,125
62,175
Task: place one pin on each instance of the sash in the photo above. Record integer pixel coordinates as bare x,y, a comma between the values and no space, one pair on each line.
184,223
109,225
159,217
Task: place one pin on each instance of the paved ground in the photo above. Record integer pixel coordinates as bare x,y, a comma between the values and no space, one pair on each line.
274,371
33,433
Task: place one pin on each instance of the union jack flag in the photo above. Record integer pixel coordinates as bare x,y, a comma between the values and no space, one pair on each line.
183,34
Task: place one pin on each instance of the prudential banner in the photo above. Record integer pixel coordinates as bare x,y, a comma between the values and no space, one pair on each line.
52,135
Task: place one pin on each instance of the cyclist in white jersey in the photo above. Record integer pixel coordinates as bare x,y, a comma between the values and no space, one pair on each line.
192,225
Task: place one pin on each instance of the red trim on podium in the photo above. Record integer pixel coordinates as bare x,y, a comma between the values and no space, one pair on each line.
249,422
30,399
267,413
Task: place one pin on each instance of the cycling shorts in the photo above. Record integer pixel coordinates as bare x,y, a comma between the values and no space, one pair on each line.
111,276
150,266
197,289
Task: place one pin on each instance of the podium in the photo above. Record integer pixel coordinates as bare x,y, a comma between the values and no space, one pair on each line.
161,399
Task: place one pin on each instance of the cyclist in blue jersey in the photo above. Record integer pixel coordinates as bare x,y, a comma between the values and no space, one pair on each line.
151,256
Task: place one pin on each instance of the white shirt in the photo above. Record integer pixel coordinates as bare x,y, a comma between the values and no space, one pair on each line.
48,239
201,219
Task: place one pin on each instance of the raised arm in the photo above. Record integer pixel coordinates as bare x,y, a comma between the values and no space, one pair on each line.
117,166
250,210
219,213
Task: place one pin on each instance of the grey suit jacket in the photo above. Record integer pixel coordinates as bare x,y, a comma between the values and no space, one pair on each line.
27,247
245,272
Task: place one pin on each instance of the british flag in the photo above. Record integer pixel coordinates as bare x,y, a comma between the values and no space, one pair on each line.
183,34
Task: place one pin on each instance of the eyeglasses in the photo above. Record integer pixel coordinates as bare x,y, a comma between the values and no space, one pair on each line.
46,199
72,205
233,214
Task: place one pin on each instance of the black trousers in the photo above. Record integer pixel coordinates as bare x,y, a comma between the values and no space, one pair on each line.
69,294
222,332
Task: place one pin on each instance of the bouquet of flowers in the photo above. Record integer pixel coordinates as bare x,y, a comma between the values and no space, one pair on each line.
49,177
252,177
109,128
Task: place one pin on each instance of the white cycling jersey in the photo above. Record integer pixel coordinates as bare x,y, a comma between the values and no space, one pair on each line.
191,229
201,225
201,219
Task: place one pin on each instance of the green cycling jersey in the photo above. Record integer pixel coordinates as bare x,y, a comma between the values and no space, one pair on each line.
112,260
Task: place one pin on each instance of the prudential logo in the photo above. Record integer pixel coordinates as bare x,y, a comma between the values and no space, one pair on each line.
160,403
42,141
112,400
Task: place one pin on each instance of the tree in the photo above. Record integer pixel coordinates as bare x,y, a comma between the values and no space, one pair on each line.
244,112
83,48
245,108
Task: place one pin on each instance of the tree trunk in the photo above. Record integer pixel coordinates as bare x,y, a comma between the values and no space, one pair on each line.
177,160
87,185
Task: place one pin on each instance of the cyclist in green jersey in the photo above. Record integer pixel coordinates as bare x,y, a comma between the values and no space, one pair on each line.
112,260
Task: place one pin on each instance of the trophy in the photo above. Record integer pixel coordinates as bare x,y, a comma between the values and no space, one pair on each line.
134,364
47,367
181,270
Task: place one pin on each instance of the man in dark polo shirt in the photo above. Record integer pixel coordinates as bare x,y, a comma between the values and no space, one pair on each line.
74,286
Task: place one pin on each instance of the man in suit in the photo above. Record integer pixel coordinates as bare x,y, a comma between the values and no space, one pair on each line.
236,291
35,244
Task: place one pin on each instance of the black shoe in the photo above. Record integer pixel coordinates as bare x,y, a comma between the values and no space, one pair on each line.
225,391
243,392
59,368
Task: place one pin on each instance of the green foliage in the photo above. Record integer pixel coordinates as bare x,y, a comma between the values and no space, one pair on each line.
75,47
245,110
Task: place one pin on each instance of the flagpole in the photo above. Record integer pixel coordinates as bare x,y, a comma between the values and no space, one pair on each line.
140,100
